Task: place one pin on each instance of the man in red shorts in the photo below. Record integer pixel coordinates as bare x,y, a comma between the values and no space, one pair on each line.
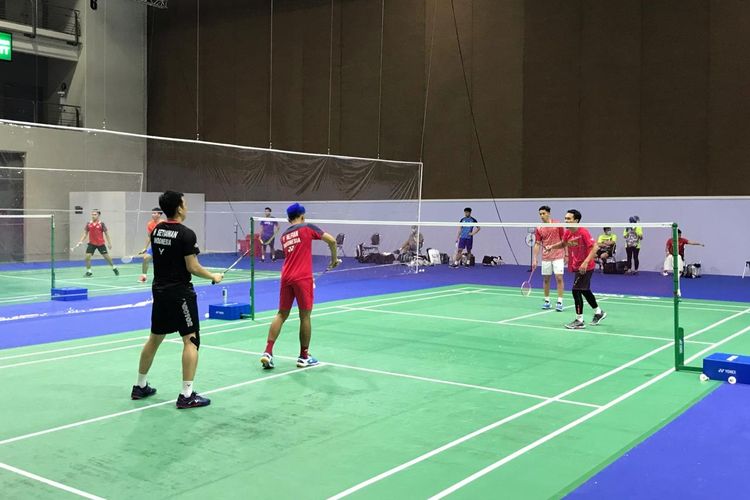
297,282
96,232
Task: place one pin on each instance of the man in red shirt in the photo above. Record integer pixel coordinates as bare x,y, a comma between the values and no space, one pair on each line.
668,260
96,231
552,262
297,282
147,253
581,251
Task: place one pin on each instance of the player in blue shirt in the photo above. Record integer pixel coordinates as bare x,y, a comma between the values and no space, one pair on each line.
465,237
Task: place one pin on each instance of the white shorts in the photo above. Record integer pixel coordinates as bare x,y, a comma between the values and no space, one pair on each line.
553,267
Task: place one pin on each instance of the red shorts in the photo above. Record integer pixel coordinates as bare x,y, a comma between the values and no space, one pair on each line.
302,290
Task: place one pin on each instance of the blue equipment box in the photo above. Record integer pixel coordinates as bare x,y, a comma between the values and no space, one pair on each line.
732,368
70,293
229,311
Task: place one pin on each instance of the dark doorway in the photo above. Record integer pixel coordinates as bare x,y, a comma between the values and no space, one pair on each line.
11,203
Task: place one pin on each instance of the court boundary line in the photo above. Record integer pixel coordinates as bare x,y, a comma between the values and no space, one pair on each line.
140,337
257,323
653,299
101,418
503,421
49,482
411,377
578,421
635,302
512,322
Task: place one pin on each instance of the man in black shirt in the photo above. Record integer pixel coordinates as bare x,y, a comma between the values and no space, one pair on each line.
175,306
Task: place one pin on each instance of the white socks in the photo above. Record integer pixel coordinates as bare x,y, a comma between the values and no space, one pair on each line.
141,380
187,388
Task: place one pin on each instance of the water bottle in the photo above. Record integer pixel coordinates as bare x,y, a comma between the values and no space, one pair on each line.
224,295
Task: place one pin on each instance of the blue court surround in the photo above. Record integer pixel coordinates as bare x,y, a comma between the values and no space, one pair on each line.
703,454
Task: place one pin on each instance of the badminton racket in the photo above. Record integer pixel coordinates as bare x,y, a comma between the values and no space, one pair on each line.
526,285
127,259
234,264
330,266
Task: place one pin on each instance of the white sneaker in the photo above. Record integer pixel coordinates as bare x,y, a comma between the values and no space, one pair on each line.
305,362
267,361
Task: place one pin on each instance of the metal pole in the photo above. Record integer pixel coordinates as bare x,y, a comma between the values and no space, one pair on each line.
252,268
52,248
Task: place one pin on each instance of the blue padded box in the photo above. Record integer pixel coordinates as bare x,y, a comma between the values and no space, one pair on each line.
732,368
229,311
70,293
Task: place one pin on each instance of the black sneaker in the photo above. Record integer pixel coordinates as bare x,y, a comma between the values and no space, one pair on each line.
194,401
116,271
576,325
139,392
598,318
88,274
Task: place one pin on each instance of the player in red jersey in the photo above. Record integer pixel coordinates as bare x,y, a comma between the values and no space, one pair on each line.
552,262
147,253
297,282
96,231
581,251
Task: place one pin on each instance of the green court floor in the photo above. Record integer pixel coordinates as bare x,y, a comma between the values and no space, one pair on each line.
463,391
22,286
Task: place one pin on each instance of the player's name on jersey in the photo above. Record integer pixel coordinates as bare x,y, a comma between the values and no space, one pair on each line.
291,239
164,236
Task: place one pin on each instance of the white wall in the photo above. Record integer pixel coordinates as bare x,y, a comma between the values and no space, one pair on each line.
707,220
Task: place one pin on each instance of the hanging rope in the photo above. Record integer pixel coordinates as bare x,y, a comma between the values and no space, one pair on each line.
197,69
476,131
270,83
104,86
427,86
380,72
330,78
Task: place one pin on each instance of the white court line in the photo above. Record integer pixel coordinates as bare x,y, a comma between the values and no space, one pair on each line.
598,332
576,422
148,407
653,300
73,281
270,317
519,414
512,322
332,310
92,287
69,356
415,377
139,337
635,302
49,482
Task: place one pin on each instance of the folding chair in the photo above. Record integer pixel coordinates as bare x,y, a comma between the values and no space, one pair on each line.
340,244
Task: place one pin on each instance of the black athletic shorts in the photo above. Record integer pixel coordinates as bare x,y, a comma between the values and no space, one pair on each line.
174,311
582,281
93,248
